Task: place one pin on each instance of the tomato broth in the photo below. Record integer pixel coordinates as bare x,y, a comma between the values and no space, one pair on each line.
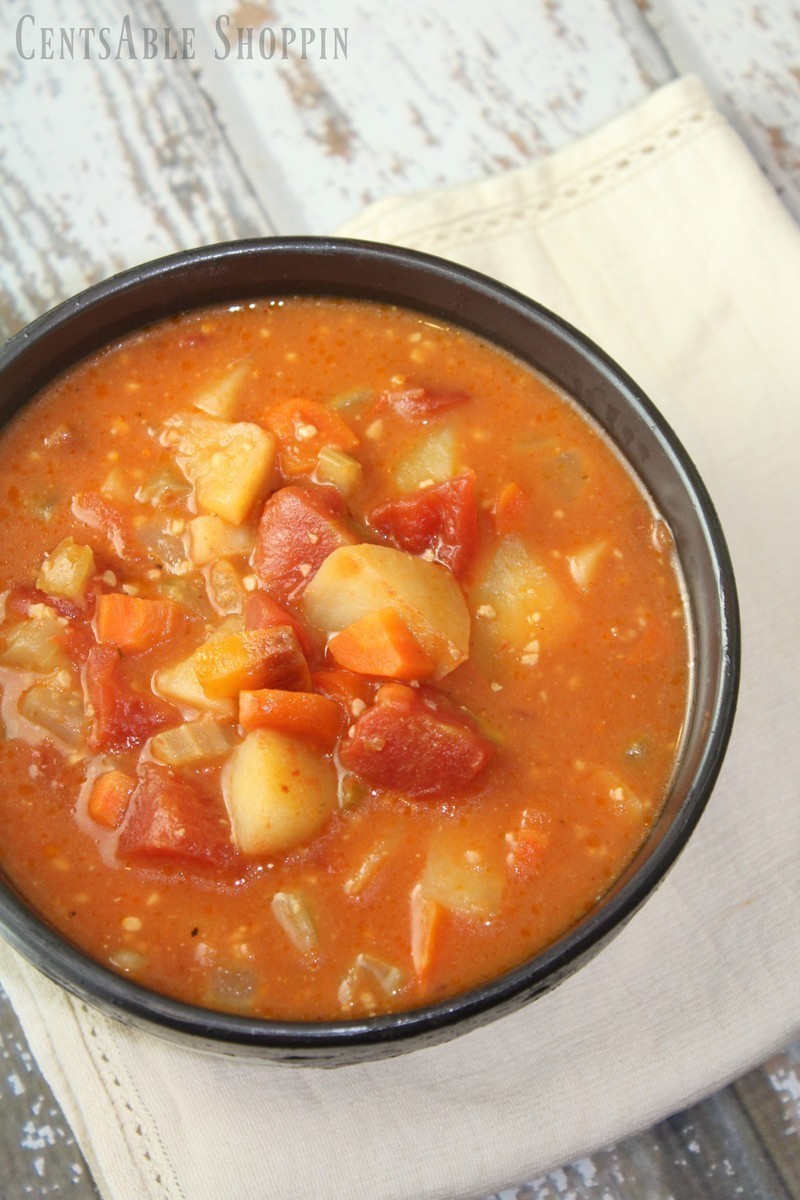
344,662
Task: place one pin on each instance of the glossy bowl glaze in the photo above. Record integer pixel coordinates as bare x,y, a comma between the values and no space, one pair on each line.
331,267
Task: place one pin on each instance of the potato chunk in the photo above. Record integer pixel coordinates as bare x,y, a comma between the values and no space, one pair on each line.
433,459
66,571
356,580
228,463
211,538
279,792
525,605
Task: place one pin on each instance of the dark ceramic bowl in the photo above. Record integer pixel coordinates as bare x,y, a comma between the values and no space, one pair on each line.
249,269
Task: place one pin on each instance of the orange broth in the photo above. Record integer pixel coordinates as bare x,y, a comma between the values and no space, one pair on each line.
555,738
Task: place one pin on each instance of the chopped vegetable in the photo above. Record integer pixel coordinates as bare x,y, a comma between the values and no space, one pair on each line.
279,792
229,464
304,714
179,682
303,428
380,643
135,625
418,403
34,644
253,658
219,398
194,742
225,589
356,580
434,459
67,571
509,509
97,513
412,742
355,989
291,912
367,869
426,918
262,612
529,605
583,564
109,798
340,469
172,819
56,709
211,538
299,528
441,520
462,874
351,692
123,718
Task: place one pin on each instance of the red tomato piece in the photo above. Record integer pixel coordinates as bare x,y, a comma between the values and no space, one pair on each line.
412,742
171,819
420,402
20,600
298,529
123,718
444,519
97,513
262,612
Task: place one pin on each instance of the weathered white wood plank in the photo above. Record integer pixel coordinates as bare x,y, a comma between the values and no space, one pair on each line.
434,95
104,163
748,54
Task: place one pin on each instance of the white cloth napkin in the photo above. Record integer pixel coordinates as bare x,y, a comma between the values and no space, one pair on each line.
658,236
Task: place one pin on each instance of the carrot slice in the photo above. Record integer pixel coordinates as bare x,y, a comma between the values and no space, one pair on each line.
508,509
426,920
303,713
381,643
303,427
134,624
352,692
109,798
254,658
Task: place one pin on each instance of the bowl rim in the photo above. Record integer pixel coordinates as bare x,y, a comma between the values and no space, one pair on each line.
85,977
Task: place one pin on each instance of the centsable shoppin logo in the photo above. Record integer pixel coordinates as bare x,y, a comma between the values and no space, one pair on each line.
129,40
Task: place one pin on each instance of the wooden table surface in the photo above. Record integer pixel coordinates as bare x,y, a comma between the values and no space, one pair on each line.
106,162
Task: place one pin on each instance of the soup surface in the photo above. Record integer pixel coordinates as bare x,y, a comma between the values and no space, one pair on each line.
343,661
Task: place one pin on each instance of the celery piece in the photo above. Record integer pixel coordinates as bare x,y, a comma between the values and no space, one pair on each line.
194,742
58,711
340,469
291,912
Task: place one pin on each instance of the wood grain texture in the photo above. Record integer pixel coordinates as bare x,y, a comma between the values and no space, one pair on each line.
105,164
439,95
748,54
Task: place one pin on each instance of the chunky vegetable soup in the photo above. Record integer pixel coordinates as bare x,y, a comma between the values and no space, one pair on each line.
343,661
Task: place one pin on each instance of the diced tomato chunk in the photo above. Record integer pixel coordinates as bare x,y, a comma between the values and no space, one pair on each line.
97,513
262,612
171,819
298,529
20,599
123,718
423,402
442,519
77,641
412,742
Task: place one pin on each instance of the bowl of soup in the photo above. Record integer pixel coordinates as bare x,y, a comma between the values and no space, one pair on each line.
369,648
